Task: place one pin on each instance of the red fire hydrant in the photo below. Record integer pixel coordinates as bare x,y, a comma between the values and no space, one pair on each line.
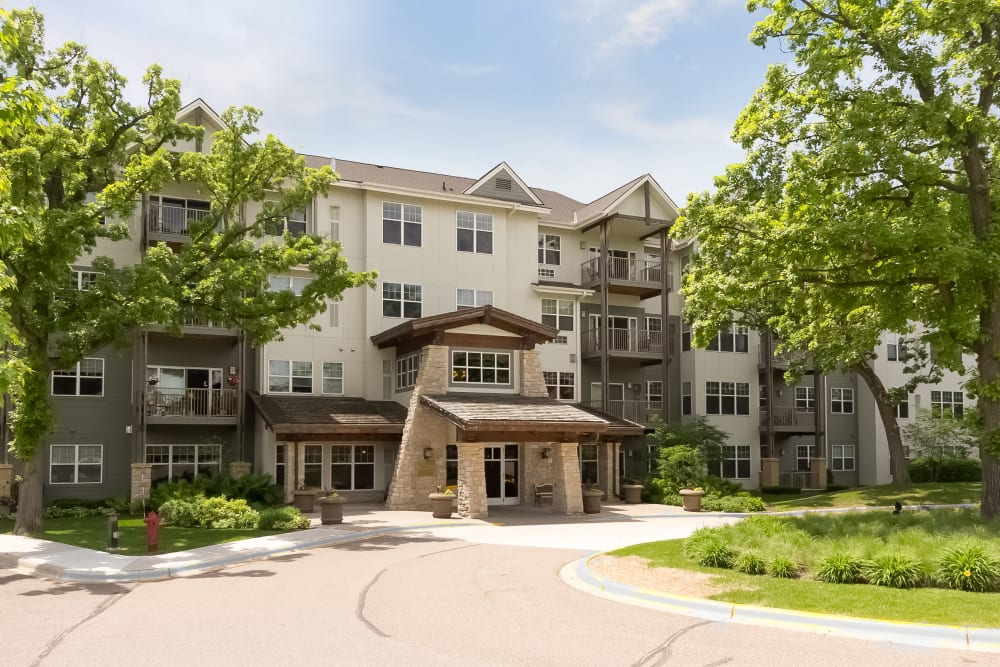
153,522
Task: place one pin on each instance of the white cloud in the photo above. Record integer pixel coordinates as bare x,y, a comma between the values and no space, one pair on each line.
630,119
646,24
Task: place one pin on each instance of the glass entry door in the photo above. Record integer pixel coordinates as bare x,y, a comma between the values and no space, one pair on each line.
502,475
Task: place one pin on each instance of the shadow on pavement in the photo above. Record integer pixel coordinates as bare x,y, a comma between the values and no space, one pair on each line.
254,574
93,589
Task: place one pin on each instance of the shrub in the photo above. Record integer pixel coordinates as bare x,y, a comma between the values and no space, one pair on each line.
654,489
895,570
220,512
722,487
750,562
841,567
781,490
783,567
282,518
76,512
692,545
682,467
945,469
258,489
743,502
968,567
182,513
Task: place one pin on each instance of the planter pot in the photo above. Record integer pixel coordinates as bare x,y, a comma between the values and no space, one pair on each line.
692,500
441,504
633,493
331,510
304,500
592,501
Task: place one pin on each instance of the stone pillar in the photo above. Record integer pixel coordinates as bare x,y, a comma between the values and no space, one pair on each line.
606,469
142,480
537,470
6,478
472,482
567,492
532,380
770,474
239,469
817,469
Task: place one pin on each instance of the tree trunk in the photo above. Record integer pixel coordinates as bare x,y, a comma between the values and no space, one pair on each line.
991,483
899,465
29,499
989,408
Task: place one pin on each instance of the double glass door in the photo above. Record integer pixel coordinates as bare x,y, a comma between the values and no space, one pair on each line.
502,475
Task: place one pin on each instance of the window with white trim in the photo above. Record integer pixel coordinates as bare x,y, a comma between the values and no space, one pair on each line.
902,409
333,378
842,401
312,467
451,465
685,337
82,279
401,224
352,467
402,300
558,313
407,369
561,385
295,223
803,456
472,298
727,398
172,462
546,273
85,378
947,403
895,349
686,402
652,458
279,464
654,391
475,232
843,457
734,462
91,199
588,464
480,367
734,338
549,249
805,399
76,464
289,377
295,284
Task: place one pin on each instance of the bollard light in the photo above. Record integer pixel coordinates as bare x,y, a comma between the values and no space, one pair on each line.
113,531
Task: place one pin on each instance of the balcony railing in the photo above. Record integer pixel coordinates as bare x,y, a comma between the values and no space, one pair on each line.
170,402
789,418
779,361
641,412
168,219
623,269
624,340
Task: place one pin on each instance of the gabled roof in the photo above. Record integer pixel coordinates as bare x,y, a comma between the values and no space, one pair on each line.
512,412
502,168
532,332
605,205
200,105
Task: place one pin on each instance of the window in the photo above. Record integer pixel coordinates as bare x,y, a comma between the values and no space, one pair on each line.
352,467
406,371
295,223
86,378
546,273
685,264
735,338
471,298
295,284
946,403
652,458
588,464
402,300
548,249
172,462
76,464
727,398
558,313
805,399
333,377
685,337
686,404
842,401
480,367
475,232
763,396
843,457
312,466
82,280
561,340
289,377
91,198
734,462
451,465
279,465
903,409
335,223
173,215
895,349
654,391
561,385
401,224
803,454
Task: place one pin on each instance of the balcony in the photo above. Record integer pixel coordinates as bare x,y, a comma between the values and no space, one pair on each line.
642,344
167,405
634,277
199,326
170,223
640,412
779,362
788,419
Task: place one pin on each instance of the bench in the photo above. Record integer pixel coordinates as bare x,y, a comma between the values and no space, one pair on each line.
543,491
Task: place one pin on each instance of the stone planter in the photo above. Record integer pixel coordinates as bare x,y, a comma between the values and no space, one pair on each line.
304,501
692,499
441,505
331,509
592,501
632,493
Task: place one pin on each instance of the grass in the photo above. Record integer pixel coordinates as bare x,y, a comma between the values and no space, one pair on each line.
918,538
92,533
880,496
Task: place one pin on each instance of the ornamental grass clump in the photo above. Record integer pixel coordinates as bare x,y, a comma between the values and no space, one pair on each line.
750,562
716,553
841,567
895,570
968,567
782,567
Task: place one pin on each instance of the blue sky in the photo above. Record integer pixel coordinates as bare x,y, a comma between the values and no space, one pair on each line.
578,96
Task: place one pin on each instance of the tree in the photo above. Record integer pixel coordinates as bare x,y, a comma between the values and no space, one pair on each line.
698,433
70,131
940,437
870,176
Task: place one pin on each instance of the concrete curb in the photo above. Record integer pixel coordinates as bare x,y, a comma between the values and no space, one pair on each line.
579,575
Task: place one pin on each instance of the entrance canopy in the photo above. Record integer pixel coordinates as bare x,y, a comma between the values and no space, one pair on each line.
330,419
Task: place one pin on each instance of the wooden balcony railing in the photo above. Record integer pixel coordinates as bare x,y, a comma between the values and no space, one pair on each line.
624,340
169,402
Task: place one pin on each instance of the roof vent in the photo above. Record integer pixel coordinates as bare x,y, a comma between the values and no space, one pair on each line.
503,184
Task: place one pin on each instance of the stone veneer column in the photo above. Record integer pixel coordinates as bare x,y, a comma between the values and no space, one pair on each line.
818,473
536,469
422,429
567,494
6,479
239,469
472,482
770,474
142,480
532,380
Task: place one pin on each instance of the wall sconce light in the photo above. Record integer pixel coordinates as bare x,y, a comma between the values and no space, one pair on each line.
546,452
779,392
781,452
428,453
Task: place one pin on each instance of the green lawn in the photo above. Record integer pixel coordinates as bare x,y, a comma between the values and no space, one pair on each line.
92,533
880,496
